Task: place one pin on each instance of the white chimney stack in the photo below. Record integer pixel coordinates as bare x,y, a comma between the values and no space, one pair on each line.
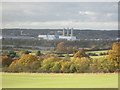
71,32
63,31
67,31
21,33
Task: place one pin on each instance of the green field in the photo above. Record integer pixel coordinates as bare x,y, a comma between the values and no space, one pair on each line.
14,80
98,52
96,57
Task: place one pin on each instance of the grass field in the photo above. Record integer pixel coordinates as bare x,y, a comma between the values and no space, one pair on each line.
98,52
14,80
96,57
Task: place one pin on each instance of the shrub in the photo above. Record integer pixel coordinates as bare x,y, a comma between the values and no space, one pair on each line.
5,61
27,52
38,53
92,54
11,54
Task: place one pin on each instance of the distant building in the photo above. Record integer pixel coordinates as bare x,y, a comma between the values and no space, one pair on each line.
48,37
19,37
69,36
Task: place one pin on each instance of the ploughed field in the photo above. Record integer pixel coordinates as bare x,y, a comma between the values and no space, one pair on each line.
42,80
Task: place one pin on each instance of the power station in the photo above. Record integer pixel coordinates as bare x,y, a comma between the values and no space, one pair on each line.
64,36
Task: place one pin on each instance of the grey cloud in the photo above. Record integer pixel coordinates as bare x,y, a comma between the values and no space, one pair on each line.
66,11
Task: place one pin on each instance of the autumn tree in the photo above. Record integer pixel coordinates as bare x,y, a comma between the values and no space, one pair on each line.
5,61
70,49
61,47
49,64
65,67
73,68
116,46
80,53
114,55
109,63
67,57
75,48
81,64
25,64
56,67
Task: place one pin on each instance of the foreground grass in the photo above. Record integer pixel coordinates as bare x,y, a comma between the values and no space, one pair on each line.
14,80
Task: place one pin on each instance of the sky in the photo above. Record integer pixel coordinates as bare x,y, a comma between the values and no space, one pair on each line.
53,15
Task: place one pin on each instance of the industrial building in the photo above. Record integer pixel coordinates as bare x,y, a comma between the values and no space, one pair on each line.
49,37
64,36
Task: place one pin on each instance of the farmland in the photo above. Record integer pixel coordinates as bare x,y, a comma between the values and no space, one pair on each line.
94,57
97,52
59,45
34,80
61,68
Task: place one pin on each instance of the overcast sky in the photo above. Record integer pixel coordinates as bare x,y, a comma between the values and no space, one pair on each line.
90,15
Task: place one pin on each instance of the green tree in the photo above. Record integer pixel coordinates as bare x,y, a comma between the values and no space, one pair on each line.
48,63
27,52
73,68
38,53
11,54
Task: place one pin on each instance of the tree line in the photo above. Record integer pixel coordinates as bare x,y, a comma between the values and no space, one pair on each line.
18,43
51,63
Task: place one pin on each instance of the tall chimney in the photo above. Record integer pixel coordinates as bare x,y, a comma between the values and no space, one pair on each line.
67,31
63,31
71,32
21,33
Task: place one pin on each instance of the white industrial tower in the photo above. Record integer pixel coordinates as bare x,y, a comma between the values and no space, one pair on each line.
63,31
71,32
67,31
21,33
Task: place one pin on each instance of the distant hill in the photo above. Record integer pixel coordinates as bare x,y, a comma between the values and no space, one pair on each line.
80,34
